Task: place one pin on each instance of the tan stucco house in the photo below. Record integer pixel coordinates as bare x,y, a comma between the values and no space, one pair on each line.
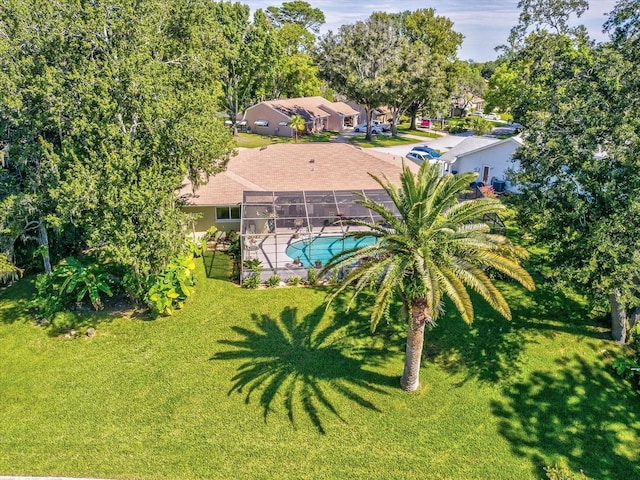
272,117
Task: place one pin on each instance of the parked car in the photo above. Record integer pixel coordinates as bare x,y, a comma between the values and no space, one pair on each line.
375,129
420,157
476,114
425,149
492,116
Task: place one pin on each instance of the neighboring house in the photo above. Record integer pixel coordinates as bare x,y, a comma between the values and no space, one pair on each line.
382,114
463,105
272,117
285,167
490,158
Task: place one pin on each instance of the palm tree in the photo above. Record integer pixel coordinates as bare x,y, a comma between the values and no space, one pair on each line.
298,125
434,248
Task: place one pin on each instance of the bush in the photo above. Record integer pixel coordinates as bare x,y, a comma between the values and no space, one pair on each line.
454,129
273,281
312,276
294,280
71,282
171,288
252,281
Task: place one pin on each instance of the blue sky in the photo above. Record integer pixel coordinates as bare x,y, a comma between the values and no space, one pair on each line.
484,23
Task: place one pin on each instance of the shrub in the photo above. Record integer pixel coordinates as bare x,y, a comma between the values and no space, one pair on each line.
71,282
312,276
294,280
171,288
273,281
252,281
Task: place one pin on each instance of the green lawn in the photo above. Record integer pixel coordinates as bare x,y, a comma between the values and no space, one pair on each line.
252,140
380,141
269,384
404,128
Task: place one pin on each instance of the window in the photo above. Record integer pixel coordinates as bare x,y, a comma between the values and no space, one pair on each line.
227,213
283,124
261,123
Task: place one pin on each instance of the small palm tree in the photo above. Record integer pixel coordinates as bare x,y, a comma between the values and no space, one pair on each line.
298,125
434,248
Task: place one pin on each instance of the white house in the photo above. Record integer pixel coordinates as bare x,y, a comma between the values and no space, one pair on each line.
490,158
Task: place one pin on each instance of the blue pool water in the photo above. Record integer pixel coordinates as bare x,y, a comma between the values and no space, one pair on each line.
323,248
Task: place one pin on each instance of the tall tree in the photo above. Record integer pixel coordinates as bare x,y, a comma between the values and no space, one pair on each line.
355,65
579,166
434,249
297,12
435,45
104,108
296,74
248,54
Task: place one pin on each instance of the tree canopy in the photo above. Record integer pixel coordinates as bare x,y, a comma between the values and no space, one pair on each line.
579,165
104,109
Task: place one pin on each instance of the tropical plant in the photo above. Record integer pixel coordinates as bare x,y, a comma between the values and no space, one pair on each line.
434,248
298,125
172,287
294,280
70,282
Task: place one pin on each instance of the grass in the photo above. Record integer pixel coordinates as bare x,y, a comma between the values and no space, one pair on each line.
252,140
404,128
269,384
383,140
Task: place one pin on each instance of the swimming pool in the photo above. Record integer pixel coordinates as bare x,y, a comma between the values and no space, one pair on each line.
323,248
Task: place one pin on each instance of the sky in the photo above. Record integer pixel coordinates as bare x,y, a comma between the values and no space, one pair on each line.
485,24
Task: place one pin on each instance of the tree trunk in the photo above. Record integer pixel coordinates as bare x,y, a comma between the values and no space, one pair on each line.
44,241
618,318
418,317
369,112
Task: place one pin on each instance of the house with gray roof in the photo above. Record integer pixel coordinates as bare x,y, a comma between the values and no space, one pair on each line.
490,158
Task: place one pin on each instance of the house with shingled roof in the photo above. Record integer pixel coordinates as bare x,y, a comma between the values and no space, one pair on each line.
490,158
285,167
272,117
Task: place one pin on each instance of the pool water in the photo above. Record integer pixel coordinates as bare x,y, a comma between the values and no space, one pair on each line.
323,248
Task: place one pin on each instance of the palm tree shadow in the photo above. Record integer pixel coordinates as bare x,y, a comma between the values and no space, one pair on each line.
492,348
308,363
578,413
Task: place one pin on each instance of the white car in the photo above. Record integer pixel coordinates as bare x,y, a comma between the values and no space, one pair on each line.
492,116
375,129
420,157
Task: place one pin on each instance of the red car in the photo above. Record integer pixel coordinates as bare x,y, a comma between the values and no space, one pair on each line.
425,122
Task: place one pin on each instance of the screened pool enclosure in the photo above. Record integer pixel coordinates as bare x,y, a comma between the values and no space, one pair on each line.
289,232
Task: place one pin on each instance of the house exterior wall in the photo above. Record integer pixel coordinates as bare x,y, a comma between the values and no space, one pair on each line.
498,159
264,112
207,219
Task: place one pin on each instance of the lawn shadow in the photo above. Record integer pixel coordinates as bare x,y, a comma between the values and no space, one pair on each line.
308,363
216,265
579,414
491,349
16,300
